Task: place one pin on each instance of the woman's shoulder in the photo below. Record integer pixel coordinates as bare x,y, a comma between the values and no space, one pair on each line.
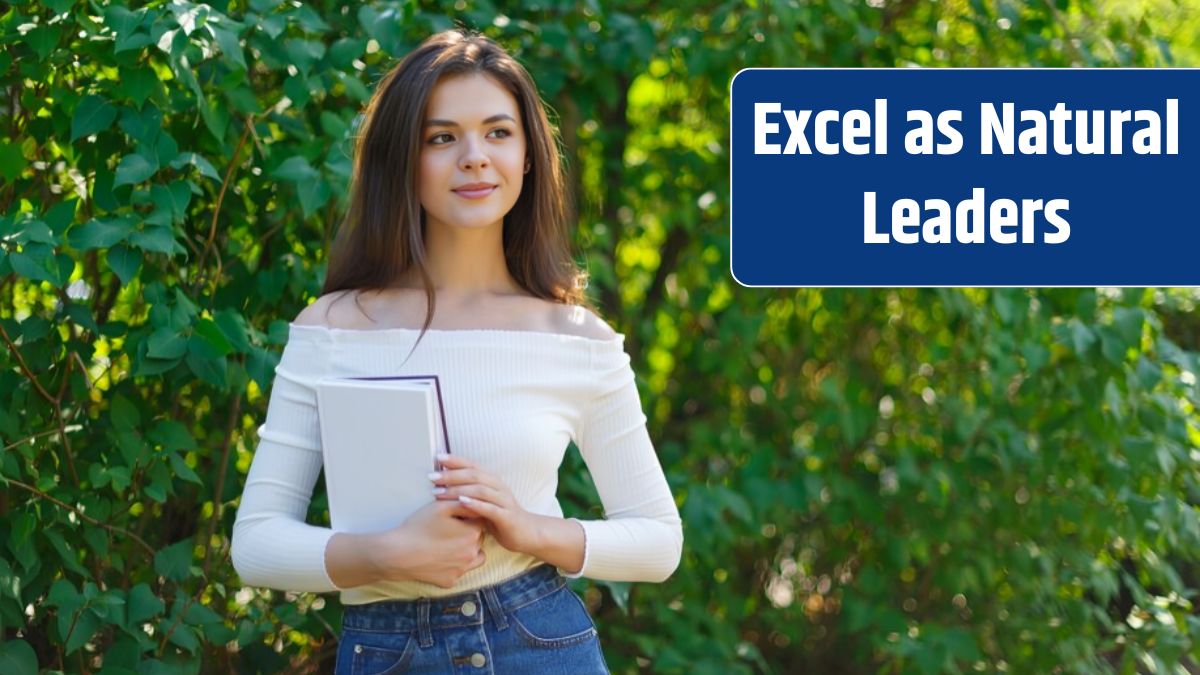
338,309
580,321
347,310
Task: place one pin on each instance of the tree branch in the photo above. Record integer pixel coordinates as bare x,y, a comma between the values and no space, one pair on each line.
111,528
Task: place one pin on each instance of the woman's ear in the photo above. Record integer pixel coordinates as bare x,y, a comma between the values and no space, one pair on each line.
528,165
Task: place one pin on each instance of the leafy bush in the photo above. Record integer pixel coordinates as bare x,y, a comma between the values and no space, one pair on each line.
871,481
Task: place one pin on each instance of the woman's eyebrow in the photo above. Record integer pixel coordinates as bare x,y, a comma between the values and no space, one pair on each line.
452,123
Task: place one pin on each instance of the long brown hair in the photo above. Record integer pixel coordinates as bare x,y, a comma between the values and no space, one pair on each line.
382,235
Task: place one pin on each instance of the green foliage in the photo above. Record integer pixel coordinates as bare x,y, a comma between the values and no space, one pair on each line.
892,480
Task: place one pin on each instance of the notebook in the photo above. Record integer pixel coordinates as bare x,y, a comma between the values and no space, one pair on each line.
379,438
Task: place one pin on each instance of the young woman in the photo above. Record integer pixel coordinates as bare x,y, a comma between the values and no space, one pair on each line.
453,260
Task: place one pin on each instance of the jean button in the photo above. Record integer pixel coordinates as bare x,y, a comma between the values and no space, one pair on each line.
478,660
357,649
468,608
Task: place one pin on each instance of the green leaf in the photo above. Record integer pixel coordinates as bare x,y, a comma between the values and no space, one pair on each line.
185,636
333,125
172,436
10,582
86,625
143,126
34,231
156,240
303,53
65,552
203,165
25,265
183,470
210,369
233,327
82,316
124,414
273,25
173,199
134,168
310,20
120,477
43,39
60,216
297,90
22,527
260,366
620,593
156,490
1128,321
165,343
344,51
227,40
33,329
122,21
354,87
17,658
214,339
64,596
314,194
295,169
12,162
99,478
143,604
92,115
138,83
100,233
133,41
1082,337
125,262
173,561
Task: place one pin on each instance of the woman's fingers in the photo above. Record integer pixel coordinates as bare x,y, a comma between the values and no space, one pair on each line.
476,490
446,478
486,509
455,462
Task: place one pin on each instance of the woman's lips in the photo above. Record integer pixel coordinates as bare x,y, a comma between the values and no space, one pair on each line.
475,193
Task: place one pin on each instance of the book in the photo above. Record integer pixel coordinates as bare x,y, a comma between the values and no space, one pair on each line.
379,441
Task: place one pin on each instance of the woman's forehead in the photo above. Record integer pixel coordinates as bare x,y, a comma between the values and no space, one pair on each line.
470,99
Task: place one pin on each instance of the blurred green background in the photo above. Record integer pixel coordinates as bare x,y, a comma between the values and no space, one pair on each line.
871,481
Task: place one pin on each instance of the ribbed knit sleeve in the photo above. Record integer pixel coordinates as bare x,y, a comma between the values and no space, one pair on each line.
641,537
272,544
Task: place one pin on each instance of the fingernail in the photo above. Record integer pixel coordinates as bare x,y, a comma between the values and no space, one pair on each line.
435,475
443,456
465,498
439,490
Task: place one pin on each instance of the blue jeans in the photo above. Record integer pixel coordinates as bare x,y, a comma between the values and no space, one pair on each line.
531,623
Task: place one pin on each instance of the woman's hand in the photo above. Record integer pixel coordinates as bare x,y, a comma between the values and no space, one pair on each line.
437,544
488,497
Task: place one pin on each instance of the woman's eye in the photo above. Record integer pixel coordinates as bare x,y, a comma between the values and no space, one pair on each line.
504,133
440,139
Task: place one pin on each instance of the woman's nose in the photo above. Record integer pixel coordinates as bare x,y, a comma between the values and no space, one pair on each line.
473,156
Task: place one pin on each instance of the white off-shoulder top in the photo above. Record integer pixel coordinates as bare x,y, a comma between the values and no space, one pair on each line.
513,401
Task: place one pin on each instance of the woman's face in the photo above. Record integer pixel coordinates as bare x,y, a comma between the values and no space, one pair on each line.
472,162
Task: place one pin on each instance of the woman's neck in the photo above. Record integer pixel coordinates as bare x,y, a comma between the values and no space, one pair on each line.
466,263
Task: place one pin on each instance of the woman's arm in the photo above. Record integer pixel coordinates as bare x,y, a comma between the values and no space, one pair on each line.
560,542
350,559
641,536
272,545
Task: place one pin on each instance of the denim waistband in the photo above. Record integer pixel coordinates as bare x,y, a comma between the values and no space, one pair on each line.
462,609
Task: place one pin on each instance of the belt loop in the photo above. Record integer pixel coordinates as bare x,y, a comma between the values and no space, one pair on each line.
492,601
423,632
